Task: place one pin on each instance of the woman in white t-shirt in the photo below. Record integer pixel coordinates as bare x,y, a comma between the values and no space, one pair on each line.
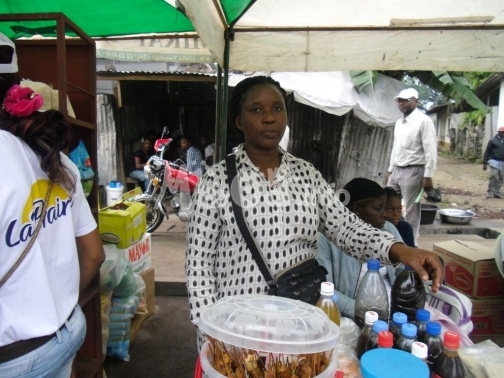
41,324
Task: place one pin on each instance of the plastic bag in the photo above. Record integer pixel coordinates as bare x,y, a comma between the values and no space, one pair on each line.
483,360
106,306
131,284
113,268
348,362
349,333
80,157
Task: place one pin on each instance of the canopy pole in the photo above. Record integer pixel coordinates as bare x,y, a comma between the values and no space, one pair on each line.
218,105
228,36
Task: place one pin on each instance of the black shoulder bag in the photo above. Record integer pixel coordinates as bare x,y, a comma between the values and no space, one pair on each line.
300,281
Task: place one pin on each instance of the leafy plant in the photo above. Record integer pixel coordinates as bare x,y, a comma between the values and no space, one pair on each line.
475,118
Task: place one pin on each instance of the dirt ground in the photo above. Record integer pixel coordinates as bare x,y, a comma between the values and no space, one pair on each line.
463,185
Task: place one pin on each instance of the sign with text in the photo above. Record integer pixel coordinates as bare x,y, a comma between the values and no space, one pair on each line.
179,50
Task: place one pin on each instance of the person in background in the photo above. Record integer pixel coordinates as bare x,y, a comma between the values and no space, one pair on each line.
208,147
141,157
414,155
41,324
393,214
151,135
285,202
366,199
494,157
192,156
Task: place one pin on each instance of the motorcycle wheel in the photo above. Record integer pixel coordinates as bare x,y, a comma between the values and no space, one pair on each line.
154,215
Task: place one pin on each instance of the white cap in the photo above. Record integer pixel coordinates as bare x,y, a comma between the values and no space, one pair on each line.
11,67
407,93
327,288
419,350
370,317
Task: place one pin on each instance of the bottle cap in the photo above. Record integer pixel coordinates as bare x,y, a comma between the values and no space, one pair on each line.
385,339
422,315
409,330
379,326
419,350
399,318
451,340
327,288
373,264
112,184
370,317
433,328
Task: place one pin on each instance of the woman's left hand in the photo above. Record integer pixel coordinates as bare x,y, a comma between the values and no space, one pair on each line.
425,263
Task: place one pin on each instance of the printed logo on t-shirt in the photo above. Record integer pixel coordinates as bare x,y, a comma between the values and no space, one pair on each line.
20,230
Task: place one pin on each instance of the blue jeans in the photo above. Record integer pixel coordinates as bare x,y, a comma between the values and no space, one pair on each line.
54,358
139,175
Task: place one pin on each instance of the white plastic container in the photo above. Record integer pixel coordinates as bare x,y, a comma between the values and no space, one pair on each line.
114,194
270,325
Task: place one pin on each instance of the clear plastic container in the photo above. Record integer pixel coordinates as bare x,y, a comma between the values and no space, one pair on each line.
398,319
370,318
433,342
449,364
408,294
407,338
271,326
422,317
371,295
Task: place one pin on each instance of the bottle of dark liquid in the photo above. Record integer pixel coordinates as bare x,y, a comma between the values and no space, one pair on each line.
407,338
434,343
398,319
385,339
422,317
408,294
370,318
378,327
371,294
449,364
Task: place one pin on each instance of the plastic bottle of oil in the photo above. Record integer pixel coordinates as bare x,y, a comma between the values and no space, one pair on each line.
327,304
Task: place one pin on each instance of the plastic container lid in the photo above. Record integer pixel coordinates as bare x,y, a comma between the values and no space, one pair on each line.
433,328
370,317
419,350
270,324
399,318
385,339
409,330
392,363
373,264
451,340
379,326
327,288
422,315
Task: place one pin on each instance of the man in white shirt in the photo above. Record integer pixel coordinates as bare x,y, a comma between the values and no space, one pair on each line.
414,155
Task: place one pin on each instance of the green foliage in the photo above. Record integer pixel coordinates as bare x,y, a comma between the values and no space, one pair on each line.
475,118
364,79
477,78
428,96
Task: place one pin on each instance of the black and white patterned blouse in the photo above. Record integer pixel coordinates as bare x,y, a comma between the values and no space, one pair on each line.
283,215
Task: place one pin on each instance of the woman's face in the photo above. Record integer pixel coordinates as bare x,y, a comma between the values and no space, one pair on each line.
373,212
263,117
393,210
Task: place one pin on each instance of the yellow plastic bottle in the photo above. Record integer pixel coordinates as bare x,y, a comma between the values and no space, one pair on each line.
326,302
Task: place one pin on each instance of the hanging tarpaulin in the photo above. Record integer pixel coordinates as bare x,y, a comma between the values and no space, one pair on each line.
179,50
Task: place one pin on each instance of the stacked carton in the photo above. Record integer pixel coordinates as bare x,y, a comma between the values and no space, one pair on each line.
471,269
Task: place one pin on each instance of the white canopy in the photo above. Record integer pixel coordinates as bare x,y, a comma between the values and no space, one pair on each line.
328,35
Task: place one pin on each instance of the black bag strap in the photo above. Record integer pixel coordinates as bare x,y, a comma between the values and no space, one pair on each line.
234,193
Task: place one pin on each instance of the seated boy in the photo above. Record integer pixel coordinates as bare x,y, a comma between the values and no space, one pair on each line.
393,214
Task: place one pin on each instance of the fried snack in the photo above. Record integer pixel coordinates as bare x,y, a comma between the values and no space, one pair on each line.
235,362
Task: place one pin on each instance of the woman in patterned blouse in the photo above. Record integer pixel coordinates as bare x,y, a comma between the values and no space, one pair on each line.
285,200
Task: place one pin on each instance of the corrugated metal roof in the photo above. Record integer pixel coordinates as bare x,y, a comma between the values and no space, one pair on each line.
153,75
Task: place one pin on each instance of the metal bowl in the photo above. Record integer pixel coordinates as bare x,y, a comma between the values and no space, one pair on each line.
456,216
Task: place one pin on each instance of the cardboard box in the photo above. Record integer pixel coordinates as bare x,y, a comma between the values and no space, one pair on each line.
139,254
137,321
132,193
470,268
488,317
122,224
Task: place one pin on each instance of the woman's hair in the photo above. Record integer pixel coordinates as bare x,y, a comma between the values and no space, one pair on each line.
361,191
240,93
390,192
47,133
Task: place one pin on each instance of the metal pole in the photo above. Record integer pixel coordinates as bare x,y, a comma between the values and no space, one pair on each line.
218,121
225,92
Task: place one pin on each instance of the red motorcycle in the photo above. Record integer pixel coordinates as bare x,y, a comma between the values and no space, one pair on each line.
168,181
